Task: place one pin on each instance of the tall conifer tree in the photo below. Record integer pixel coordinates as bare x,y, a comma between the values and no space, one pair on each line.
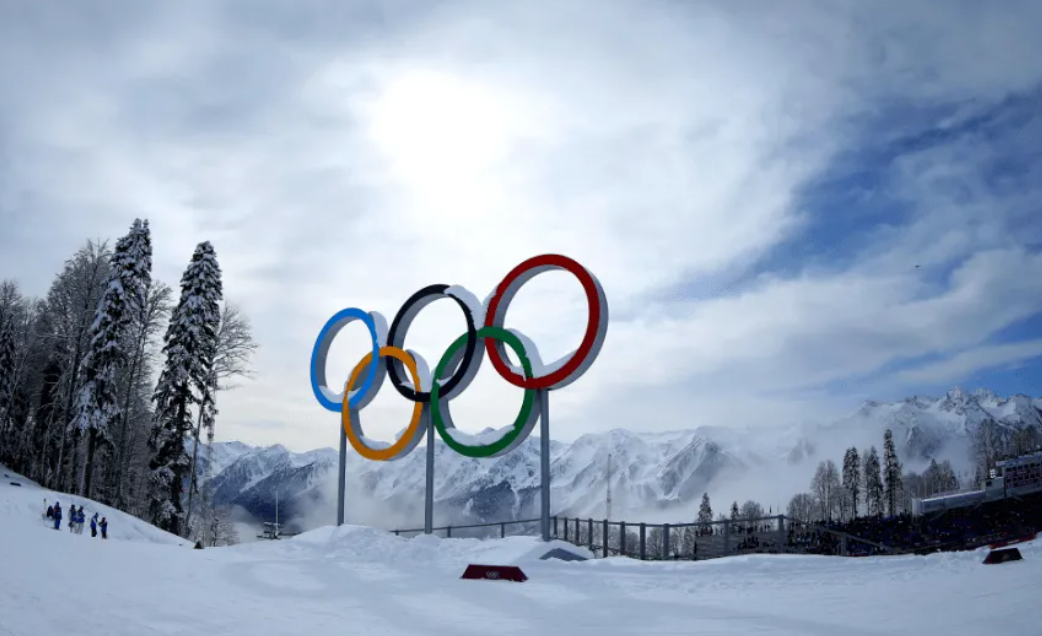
99,409
188,345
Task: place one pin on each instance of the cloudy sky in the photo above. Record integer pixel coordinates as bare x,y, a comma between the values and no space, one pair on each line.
792,206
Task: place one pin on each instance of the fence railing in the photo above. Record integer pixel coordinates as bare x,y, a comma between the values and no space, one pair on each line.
688,541
707,540
483,530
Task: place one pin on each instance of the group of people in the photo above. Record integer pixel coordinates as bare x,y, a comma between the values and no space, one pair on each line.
77,517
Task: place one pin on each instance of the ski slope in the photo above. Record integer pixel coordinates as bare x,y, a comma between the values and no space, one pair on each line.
355,580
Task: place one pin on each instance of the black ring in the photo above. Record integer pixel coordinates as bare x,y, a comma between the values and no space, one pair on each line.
401,322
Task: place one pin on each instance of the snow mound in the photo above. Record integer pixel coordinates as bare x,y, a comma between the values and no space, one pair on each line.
362,544
26,503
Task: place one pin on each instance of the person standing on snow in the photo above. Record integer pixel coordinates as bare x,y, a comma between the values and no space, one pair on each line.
80,518
57,515
72,518
94,525
104,528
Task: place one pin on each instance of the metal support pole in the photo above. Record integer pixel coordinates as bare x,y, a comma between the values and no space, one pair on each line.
622,538
667,549
604,548
589,533
544,456
342,477
643,541
781,535
428,504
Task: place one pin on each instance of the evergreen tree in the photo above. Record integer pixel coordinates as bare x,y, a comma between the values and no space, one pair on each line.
852,477
10,301
891,473
7,376
735,514
705,511
99,409
873,483
188,345
932,478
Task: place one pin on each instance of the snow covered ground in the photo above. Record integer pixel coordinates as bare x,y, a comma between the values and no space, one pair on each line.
355,580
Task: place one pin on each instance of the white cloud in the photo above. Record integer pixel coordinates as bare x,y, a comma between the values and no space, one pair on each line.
967,362
344,160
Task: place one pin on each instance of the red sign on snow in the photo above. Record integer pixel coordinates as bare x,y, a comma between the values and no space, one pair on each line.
495,573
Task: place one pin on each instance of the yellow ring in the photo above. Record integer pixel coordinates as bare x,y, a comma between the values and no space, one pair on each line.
400,446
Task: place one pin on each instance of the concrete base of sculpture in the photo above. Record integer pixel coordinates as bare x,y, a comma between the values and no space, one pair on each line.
476,572
1003,555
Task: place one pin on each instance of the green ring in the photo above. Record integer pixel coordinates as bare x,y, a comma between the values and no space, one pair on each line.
503,443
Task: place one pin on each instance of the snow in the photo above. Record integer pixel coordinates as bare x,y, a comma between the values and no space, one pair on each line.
484,438
423,370
23,506
376,444
468,298
360,580
653,470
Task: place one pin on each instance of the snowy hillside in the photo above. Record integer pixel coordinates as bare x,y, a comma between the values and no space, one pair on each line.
360,580
24,503
651,472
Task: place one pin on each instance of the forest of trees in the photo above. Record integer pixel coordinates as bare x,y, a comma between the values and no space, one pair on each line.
867,485
108,384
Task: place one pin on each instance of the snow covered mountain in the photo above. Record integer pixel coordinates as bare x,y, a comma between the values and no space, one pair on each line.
666,472
647,469
927,427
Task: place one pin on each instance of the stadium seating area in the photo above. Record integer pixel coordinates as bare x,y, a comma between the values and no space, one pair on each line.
957,529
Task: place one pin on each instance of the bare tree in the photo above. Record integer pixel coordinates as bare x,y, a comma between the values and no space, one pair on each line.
221,528
826,488
752,510
70,306
134,426
803,507
235,347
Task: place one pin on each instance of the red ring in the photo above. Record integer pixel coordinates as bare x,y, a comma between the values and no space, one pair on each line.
593,299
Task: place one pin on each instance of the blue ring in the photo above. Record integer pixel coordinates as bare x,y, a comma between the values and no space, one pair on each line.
333,326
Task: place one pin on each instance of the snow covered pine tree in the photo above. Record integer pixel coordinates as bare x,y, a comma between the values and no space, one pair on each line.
188,344
873,483
852,478
891,473
7,377
98,408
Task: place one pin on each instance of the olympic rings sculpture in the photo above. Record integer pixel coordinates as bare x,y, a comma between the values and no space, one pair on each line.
458,365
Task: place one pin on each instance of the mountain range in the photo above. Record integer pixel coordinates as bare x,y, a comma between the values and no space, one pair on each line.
652,475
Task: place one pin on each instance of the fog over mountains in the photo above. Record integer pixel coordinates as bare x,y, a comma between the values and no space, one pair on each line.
656,476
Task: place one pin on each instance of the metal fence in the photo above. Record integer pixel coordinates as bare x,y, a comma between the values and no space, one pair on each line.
684,541
502,529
